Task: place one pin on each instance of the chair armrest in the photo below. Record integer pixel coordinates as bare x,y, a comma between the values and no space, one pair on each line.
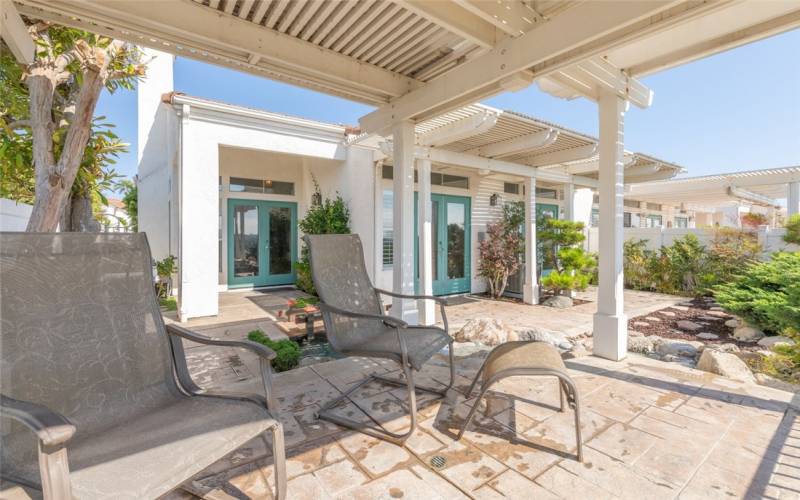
262,350
389,320
439,300
50,427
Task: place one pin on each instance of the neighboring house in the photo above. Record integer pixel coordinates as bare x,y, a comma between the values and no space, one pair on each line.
13,215
222,186
115,217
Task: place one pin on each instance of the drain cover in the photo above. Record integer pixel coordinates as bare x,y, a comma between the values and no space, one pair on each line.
438,461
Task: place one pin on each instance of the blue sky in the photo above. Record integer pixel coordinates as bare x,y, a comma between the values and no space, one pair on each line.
739,110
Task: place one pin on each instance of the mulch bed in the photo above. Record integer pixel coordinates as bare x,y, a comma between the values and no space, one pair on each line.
697,312
518,300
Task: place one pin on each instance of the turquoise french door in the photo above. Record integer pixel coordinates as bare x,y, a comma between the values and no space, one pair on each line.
451,252
546,256
262,242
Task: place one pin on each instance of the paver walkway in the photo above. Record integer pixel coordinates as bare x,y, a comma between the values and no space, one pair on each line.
651,430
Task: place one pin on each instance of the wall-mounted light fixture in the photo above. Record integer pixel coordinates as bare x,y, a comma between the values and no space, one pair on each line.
493,200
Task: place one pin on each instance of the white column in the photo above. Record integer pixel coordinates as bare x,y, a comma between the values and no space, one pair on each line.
610,322
403,218
793,198
427,314
569,202
530,289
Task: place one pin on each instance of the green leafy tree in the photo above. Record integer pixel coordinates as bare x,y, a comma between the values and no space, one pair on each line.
573,267
130,197
325,216
51,145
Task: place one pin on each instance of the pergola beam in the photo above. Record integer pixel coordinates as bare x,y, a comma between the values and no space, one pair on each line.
564,156
758,199
512,146
455,19
15,34
589,78
465,160
511,16
192,30
460,129
578,33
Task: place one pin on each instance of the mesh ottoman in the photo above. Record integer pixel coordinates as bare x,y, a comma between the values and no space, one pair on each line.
527,358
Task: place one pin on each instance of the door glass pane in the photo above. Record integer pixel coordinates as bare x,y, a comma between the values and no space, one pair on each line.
245,241
435,237
456,222
280,240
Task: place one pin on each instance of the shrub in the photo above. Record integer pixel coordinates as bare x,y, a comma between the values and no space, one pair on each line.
752,220
165,269
287,351
323,217
636,258
169,304
766,294
792,226
499,256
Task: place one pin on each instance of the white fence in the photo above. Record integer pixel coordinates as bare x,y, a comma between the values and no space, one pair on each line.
770,239
14,216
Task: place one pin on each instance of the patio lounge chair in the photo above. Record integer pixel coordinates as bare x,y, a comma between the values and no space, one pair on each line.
89,367
356,325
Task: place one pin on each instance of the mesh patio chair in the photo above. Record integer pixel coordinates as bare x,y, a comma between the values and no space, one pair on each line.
89,367
356,325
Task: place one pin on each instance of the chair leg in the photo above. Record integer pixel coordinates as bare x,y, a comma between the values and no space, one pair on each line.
472,411
279,461
574,403
561,395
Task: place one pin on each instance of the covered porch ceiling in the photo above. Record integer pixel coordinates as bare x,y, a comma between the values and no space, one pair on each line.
417,59
755,187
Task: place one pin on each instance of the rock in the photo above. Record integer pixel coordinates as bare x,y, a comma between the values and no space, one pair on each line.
652,318
643,345
775,383
678,348
542,335
565,345
725,364
634,333
732,323
709,318
718,314
716,308
727,347
686,303
670,358
771,342
747,333
669,314
640,324
690,326
486,331
707,336
558,301
681,308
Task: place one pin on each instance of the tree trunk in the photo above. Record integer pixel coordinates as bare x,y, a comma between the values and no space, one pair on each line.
82,216
54,180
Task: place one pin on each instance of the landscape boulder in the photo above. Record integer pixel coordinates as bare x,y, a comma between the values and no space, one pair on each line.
687,349
771,342
707,336
558,301
732,323
542,335
725,364
644,345
747,333
486,331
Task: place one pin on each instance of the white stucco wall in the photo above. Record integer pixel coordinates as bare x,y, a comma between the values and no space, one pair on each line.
14,216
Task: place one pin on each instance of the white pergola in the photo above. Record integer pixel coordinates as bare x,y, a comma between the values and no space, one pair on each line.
755,187
416,60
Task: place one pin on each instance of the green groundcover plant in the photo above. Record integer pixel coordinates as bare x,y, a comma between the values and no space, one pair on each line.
287,351
766,294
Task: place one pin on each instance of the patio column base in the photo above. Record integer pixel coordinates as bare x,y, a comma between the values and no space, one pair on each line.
610,338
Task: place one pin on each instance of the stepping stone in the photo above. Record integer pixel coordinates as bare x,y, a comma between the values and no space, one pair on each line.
709,318
707,336
732,323
719,314
640,324
681,308
716,308
652,318
668,313
690,326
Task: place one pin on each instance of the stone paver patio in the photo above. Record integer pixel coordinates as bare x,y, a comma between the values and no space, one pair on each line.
651,430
